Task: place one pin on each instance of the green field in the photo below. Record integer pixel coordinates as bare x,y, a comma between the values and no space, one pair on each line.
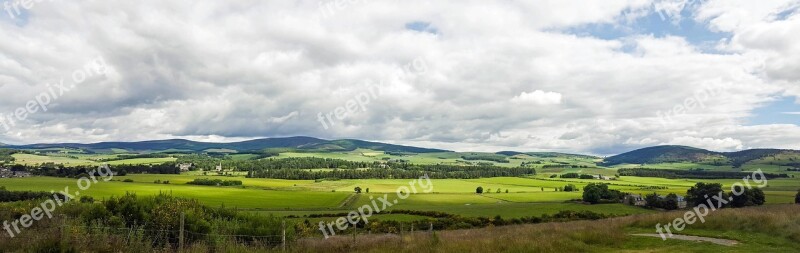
534,195
71,160
526,196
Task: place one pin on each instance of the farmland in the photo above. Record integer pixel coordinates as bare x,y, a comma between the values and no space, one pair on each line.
536,195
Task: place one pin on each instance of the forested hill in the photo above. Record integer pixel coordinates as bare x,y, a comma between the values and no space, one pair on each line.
298,143
679,154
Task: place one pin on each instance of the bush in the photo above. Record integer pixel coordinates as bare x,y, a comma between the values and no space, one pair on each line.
596,193
128,180
670,202
570,175
570,188
479,190
749,197
215,182
696,195
797,197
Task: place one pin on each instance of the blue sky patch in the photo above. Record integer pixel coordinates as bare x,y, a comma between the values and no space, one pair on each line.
16,15
658,25
781,111
420,26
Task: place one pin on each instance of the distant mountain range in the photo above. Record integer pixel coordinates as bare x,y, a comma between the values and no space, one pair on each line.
177,145
650,155
679,154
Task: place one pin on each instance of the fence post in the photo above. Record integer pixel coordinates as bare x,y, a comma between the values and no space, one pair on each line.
355,231
412,228
283,238
431,229
180,237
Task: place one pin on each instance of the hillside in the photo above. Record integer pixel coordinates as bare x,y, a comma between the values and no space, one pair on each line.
300,143
684,154
546,154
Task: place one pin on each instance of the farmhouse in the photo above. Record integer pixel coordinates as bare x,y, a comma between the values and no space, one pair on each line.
635,200
185,167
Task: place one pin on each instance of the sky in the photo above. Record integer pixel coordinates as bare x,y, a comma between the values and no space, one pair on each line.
595,77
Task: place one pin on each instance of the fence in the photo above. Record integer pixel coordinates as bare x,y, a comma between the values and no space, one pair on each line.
177,239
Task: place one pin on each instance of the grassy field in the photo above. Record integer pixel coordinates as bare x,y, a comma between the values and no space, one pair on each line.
80,159
755,229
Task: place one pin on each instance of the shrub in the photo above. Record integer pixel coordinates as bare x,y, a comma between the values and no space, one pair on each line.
749,197
596,192
128,180
797,197
479,190
696,195
215,182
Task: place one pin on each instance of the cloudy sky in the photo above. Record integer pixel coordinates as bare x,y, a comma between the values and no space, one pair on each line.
596,77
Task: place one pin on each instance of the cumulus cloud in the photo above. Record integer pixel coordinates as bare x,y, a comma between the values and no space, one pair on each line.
461,75
538,97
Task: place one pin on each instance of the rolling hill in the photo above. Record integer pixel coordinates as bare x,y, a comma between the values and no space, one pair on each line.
681,154
300,143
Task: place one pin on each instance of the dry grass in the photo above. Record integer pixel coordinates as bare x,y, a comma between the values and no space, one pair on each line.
580,236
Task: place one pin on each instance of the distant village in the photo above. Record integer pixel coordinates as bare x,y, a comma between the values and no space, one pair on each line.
8,173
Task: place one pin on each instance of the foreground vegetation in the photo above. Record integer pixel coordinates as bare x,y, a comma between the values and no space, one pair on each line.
148,224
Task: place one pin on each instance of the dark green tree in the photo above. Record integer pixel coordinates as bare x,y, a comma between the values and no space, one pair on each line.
479,190
797,197
749,197
701,192
593,192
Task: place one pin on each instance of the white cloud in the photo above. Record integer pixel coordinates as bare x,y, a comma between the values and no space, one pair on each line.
499,75
538,97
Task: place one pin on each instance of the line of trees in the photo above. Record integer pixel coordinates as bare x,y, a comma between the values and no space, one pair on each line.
709,193
14,196
5,155
669,202
442,221
433,171
215,182
55,170
595,193
701,174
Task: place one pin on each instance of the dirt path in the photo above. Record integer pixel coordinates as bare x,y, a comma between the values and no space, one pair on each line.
723,242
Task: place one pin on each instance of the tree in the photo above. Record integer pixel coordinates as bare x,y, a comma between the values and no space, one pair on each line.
357,189
652,200
670,202
570,188
749,197
498,190
479,190
797,197
506,190
367,190
700,192
593,192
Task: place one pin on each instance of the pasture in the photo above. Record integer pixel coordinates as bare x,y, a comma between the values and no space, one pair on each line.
533,196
